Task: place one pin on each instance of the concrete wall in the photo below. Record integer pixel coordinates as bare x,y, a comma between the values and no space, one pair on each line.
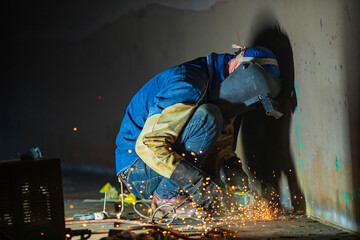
77,65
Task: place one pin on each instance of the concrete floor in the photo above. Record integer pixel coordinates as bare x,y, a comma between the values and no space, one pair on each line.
78,187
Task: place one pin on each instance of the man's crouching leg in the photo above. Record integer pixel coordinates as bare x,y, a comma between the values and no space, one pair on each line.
194,144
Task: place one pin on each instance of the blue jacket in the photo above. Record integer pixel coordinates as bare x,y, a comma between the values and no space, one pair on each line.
185,83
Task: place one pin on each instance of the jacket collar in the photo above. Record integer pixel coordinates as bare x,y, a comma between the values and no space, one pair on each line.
216,68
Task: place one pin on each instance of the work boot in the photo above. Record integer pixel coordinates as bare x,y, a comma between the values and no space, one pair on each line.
233,176
181,203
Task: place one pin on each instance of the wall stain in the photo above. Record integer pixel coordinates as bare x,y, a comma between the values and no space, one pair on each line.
322,188
337,162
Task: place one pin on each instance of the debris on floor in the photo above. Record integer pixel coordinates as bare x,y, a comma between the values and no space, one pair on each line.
263,221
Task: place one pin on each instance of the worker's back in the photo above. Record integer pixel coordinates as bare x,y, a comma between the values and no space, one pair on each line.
184,83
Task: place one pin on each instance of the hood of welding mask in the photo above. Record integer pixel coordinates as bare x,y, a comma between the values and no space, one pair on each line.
248,85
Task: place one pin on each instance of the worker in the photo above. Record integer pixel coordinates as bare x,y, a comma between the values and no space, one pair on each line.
177,137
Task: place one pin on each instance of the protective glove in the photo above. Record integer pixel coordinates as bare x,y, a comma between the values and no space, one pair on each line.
204,192
233,176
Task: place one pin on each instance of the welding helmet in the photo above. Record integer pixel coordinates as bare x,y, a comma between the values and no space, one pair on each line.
255,82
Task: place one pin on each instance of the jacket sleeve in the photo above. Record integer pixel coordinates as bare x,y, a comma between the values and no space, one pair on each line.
160,131
223,149
170,113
